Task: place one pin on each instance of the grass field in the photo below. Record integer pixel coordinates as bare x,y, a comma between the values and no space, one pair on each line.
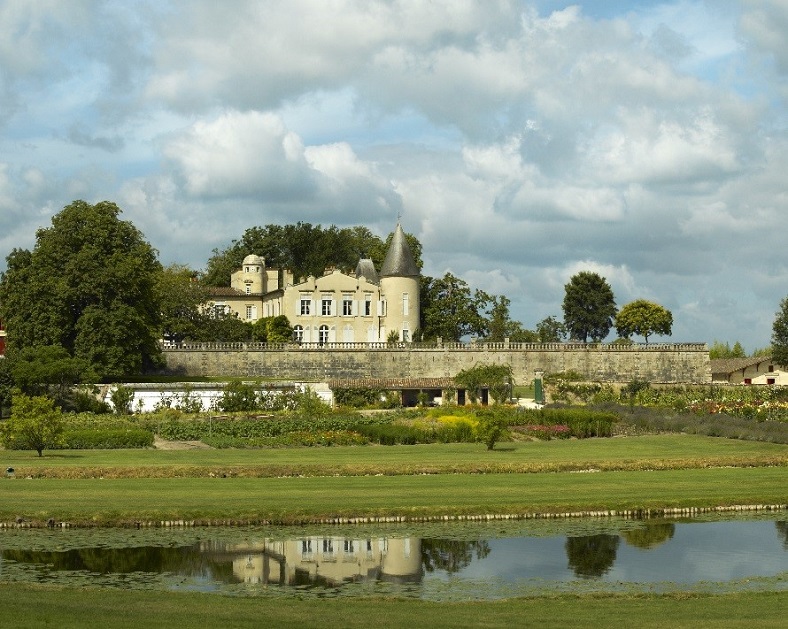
309,484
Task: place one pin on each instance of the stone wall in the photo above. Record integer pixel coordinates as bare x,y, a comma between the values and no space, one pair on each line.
656,363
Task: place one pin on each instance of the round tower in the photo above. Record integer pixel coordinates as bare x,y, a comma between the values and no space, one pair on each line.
399,284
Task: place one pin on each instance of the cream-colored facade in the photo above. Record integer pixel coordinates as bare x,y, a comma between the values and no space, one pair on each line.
756,370
365,307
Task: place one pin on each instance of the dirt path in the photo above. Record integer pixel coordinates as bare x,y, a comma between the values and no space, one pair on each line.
161,444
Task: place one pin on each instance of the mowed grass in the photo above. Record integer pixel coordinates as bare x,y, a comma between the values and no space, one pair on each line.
32,607
614,453
315,484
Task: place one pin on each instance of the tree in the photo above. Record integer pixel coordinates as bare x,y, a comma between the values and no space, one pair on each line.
719,349
589,307
550,330
450,310
46,370
88,286
35,424
643,318
180,294
780,334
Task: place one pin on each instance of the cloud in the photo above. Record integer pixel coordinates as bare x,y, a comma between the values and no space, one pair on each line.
519,141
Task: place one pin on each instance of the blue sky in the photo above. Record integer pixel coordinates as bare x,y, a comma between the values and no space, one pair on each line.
520,141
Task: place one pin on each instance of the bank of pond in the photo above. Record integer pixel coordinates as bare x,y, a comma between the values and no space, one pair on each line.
713,553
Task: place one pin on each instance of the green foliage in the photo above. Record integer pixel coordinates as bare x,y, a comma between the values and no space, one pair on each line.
106,439
46,370
35,424
180,295
550,330
490,428
780,334
498,379
581,422
6,387
450,311
239,396
88,286
589,307
643,318
358,397
121,399
719,349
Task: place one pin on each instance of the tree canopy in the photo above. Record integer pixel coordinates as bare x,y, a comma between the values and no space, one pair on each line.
643,318
589,307
450,310
780,334
303,248
88,286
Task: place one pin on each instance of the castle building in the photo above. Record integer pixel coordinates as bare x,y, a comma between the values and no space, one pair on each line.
364,307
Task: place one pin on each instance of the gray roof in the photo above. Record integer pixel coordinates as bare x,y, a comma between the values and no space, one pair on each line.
399,260
728,366
366,269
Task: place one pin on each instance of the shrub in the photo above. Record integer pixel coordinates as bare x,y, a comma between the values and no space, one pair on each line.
490,428
107,439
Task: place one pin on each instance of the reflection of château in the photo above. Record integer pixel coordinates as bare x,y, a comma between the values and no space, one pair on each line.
327,560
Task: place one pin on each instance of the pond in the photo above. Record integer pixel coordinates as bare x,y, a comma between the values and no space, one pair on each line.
481,561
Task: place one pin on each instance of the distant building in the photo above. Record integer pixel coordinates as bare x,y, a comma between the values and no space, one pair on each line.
366,306
754,370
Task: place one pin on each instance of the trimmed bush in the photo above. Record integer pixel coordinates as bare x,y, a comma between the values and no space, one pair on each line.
107,439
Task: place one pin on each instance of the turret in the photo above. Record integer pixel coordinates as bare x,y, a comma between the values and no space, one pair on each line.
399,283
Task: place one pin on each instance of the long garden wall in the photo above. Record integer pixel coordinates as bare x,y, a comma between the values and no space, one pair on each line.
656,363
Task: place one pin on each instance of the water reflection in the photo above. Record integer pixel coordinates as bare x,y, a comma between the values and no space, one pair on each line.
499,563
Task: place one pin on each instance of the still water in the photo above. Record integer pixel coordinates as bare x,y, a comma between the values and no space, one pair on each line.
436,562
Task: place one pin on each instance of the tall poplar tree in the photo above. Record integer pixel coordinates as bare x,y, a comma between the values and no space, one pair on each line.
88,285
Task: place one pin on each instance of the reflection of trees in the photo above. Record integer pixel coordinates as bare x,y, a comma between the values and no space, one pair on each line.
451,555
782,531
649,535
186,560
591,555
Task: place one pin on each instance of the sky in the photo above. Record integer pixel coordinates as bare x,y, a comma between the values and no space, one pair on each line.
520,141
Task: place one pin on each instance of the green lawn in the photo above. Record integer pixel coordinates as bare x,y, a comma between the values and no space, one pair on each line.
312,484
32,607
614,453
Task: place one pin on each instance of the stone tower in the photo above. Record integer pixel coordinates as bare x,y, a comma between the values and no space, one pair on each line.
399,284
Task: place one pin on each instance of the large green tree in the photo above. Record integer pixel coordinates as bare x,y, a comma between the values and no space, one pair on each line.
643,318
589,307
181,294
780,334
88,285
450,310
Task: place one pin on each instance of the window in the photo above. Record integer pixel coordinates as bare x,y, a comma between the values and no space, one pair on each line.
328,546
298,334
368,305
248,311
305,308
770,380
248,289
349,547
326,305
405,304
322,334
347,305
405,334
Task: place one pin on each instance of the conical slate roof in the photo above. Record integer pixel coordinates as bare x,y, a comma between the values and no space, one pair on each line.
366,269
399,260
